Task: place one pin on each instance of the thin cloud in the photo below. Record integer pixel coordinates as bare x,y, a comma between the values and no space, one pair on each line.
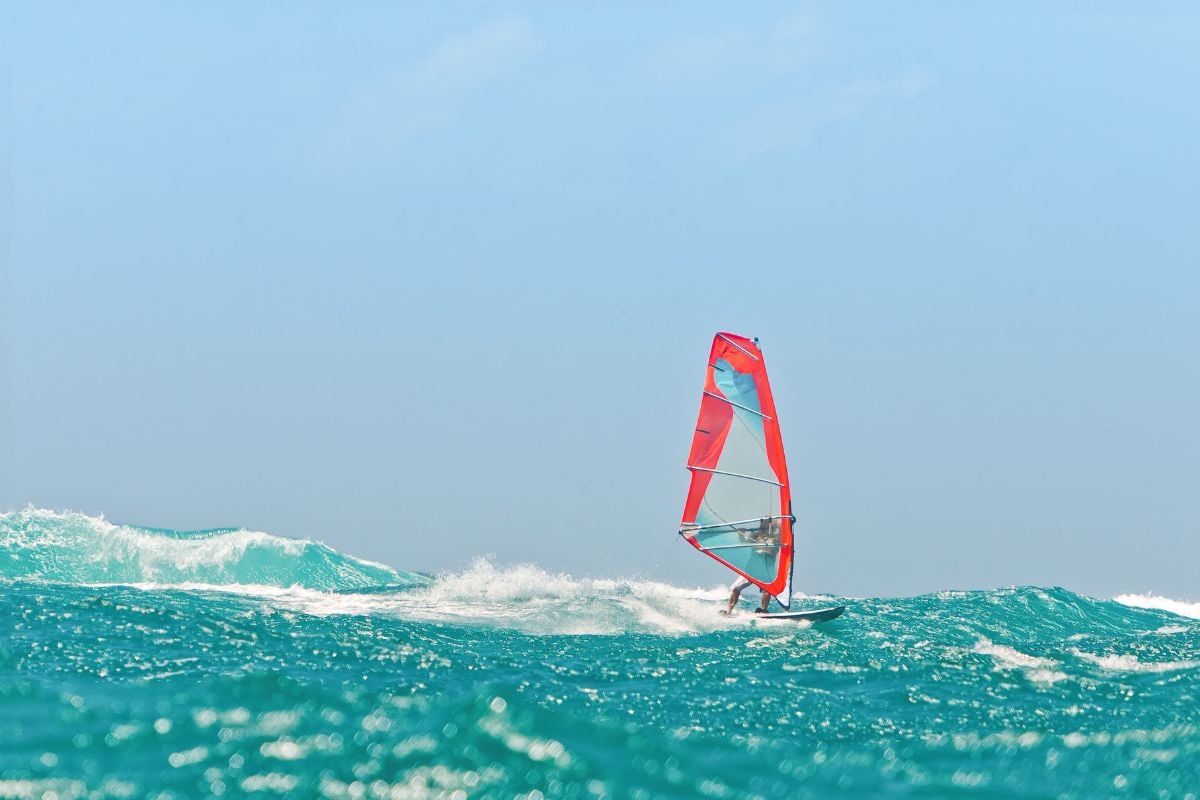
433,92
796,120
467,62
736,60
774,83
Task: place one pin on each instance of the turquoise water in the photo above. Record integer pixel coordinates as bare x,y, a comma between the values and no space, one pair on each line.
147,663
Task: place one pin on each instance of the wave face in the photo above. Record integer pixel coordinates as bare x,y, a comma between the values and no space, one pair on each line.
318,675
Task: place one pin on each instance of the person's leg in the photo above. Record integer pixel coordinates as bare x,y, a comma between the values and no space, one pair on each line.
733,598
766,601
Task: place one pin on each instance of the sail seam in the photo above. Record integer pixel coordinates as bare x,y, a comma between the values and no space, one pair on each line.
753,435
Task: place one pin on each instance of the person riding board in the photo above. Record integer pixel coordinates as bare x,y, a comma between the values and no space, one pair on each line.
735,592
762,536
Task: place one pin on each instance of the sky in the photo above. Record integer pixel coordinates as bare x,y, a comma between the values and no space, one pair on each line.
436,282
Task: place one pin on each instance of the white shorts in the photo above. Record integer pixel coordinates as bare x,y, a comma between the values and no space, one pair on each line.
740,584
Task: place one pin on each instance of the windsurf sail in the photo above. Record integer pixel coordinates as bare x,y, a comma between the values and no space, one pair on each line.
739,504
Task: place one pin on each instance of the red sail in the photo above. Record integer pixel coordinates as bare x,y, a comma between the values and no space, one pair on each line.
739,506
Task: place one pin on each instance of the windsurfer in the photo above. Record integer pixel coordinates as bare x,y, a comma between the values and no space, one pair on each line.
765,534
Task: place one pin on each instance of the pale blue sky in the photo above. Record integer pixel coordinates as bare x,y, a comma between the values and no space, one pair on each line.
430,282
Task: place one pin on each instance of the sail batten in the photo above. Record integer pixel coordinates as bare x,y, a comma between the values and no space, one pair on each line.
739,471
735,546
735,475
744,408
725,338
693,526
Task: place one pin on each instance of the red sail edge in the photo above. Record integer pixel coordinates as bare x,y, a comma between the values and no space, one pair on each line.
712,428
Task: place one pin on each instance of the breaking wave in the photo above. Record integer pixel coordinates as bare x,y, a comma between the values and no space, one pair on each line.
69,547
1180,607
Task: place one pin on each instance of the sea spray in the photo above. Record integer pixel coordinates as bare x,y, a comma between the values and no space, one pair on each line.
344,682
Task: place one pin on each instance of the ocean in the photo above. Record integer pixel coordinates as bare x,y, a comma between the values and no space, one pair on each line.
143,663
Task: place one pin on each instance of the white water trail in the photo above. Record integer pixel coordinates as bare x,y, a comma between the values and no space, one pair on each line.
523,597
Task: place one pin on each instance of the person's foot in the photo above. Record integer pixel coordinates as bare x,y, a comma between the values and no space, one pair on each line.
760,611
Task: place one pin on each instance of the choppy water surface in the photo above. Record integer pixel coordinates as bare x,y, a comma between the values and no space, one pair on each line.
143,663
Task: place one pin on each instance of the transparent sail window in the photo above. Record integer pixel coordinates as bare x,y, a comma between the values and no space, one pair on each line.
753,547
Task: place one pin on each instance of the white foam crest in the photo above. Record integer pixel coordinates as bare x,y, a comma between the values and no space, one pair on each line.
156,550
1011,657
1037,669
1124,662
159,553
1180,607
